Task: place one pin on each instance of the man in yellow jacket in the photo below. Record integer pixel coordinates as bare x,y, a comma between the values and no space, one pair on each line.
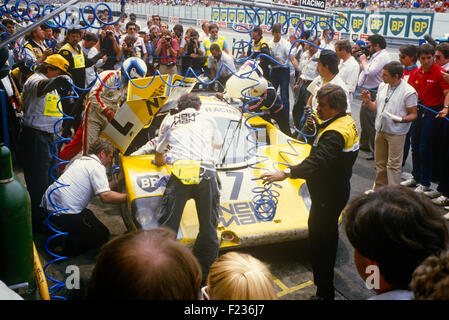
327,171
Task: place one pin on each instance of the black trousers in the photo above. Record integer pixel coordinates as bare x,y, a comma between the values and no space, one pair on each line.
84,230
368,130
301,102
323,240
207,200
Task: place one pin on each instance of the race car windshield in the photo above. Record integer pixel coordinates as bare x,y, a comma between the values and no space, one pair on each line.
235,141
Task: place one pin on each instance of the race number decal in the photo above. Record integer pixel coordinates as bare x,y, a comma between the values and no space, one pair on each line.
130,119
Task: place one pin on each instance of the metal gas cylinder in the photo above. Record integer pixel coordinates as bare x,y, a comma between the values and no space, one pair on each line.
16,238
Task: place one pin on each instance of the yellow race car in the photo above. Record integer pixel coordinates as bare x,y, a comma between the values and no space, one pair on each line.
250,147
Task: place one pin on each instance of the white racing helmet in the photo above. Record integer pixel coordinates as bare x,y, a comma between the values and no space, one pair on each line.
248,77
134,67
259,89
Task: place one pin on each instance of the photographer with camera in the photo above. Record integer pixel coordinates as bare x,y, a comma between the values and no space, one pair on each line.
167,51
139,46
194,51
372,62
109,43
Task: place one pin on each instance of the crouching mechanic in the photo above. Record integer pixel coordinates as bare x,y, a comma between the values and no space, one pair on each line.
327,171
270,103
192,137
69,197
103,101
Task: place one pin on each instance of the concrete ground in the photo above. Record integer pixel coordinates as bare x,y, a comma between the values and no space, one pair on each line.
288,262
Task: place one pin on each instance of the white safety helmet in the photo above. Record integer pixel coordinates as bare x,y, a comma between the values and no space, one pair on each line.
249,75
134,67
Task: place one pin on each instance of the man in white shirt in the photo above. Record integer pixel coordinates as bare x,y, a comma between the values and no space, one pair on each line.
370,78
328,40
139,46
280,72
307,72
88,46
349,68
66,205
396,107
328,73
191,135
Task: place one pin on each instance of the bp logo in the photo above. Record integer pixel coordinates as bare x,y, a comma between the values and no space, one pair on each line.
376,24
396,25
308,21
357,23
340,23
231,16
241,17
420,26
149,183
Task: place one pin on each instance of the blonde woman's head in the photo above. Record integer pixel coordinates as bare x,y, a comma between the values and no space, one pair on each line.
239,276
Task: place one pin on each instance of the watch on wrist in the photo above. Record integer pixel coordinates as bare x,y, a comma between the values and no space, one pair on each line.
288,172
445,107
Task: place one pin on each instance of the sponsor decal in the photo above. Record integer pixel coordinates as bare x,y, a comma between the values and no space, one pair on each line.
396,25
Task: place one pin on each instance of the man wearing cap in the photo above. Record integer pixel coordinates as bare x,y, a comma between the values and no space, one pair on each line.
328,73
41,112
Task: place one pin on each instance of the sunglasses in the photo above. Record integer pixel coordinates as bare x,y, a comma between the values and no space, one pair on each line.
438,57
402,56
132,29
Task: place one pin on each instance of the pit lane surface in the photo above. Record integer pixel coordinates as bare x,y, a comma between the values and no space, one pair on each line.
288,262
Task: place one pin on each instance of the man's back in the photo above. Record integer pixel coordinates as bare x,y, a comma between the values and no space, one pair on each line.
189,135
85,178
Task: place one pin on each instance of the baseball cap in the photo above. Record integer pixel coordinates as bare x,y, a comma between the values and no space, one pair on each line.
327,57
360,43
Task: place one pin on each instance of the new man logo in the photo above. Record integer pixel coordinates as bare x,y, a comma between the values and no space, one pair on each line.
396,25
420,26
376,24
357,23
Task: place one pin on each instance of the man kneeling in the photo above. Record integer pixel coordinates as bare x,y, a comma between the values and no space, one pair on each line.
68,198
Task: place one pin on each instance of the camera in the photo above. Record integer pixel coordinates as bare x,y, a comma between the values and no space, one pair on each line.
167,38
129,44
109,33
363,50
192,39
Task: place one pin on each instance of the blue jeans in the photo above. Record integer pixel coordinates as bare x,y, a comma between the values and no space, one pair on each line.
423,135
38,162
281,77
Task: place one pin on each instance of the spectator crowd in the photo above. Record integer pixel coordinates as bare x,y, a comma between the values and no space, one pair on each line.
404,110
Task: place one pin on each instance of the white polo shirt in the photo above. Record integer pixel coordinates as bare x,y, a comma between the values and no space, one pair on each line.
85,177
280,52
225,59
349,71
318,82
189,135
